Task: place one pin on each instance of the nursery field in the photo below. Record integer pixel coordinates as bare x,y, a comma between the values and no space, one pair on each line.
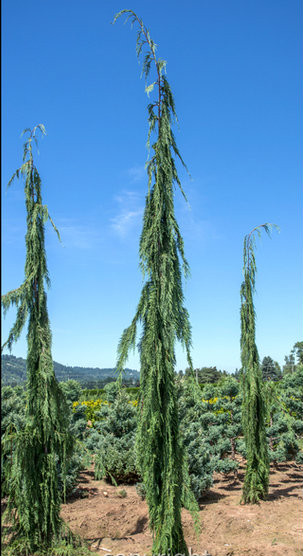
114,520
105,503
159,461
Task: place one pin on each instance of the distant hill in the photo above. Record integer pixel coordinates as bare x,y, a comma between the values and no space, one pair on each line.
13,372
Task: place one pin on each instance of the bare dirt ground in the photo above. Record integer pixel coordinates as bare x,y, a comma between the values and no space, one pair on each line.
113,524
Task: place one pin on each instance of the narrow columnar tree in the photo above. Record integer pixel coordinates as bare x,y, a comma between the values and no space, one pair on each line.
164,319
253,413
42,446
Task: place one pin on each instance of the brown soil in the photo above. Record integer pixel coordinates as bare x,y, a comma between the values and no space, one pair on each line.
113,524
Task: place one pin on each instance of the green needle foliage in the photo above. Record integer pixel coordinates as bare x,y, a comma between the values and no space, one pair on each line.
164,319
42,446
253,413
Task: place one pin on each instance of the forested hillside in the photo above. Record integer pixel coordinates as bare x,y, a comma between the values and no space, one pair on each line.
13,372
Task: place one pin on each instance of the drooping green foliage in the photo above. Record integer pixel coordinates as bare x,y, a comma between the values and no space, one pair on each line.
164,319
253,414
42,446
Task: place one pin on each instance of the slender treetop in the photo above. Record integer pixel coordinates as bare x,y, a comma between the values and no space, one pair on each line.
249,351
37,215
160,231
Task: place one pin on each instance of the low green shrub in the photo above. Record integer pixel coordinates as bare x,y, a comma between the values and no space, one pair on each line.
115,453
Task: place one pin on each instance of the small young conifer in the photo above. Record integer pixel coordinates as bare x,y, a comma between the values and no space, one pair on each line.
161,458
255,485
44,442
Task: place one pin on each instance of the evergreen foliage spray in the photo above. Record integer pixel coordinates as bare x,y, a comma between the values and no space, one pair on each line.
164,319
255,485
41,447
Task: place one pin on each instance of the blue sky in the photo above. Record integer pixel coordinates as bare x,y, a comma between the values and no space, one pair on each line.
234,68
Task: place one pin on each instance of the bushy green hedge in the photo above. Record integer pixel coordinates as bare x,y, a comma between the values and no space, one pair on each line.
91,394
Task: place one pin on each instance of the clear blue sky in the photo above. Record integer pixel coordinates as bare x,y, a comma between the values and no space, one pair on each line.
234,68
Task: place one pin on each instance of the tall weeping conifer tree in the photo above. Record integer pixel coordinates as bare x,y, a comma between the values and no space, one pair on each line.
42,447
253,412
164,319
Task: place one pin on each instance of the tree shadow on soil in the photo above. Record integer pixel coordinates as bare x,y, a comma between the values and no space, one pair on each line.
82,478
280,492
231,486
228,485
295,476
99,540
80,493
140,525
210,497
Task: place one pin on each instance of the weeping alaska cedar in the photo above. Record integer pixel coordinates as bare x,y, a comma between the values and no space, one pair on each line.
42,447
161,457
255,485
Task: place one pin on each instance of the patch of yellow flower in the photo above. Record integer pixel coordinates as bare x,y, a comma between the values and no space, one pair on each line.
211,400
96,404
214,400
